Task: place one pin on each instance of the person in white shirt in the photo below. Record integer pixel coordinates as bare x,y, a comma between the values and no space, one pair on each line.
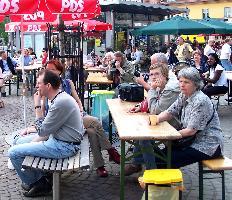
137,56
225,55
209,48
217,81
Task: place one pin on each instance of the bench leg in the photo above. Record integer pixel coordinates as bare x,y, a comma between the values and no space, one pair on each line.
56,186
223,185
200,166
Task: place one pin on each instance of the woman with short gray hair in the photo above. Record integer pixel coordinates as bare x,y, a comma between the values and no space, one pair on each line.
199,121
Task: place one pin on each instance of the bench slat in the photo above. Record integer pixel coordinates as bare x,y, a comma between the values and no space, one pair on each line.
41,163
71,163
36,162
28,161
59,165
47,163
218,164
65,165
84,159
76,161
53,164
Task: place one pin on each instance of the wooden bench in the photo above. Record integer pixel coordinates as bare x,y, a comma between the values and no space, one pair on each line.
56,166
218,165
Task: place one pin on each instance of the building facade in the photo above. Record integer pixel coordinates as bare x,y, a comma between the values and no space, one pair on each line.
198,9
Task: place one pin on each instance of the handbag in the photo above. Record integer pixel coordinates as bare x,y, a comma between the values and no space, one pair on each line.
131,92
188,141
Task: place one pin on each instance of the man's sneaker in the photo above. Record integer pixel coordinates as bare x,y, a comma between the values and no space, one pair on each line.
9,164
101,171
3,94
132,169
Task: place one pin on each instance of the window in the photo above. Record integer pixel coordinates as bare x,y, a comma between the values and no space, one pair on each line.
205,13
227,12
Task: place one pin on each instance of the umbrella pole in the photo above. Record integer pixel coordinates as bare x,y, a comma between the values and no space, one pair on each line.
23,73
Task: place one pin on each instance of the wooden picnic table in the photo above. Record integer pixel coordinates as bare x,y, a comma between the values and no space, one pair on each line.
31,71
96,78
135,126
229,75
94,69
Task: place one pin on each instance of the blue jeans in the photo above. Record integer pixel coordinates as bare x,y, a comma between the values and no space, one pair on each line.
146,154
52,148
226,65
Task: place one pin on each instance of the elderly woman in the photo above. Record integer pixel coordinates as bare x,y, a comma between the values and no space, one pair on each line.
199,62
199,120
163,92
108,59
217,81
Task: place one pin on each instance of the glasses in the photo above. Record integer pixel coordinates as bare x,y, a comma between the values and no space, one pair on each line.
155,74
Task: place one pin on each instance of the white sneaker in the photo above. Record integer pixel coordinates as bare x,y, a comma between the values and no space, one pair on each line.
9,164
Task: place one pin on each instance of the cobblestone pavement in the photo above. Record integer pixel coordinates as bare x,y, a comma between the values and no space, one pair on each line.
86,185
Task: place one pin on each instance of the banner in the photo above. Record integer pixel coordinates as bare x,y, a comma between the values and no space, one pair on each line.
16,7
72,6
43,14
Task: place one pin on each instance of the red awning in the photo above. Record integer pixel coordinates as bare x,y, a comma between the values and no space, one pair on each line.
89,25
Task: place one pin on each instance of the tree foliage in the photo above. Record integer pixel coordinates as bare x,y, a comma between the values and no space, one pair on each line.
3,34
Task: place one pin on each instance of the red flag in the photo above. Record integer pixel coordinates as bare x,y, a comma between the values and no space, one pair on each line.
16,7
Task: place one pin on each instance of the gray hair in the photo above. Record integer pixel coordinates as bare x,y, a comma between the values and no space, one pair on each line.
192,74
160,58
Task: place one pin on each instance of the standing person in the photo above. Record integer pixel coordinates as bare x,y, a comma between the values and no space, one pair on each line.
137,56
8,66
209,47
225,55
217,81
127,52
183,51
60,133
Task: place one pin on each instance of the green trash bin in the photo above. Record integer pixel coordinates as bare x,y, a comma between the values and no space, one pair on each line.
99,107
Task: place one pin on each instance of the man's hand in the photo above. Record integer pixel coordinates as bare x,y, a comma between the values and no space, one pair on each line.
135,109
37,99
27,131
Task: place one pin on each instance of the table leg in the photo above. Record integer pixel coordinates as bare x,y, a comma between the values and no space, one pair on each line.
88,98
110,128
122,170
169,151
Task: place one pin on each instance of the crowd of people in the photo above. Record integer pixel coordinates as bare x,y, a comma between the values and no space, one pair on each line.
181,97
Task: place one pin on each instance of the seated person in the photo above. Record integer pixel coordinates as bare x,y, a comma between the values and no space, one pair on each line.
198,118
60,133
7,65
199,63
97,138
217,81
162,94
1,85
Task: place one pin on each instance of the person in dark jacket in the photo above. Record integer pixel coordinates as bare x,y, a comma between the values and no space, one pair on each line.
8,66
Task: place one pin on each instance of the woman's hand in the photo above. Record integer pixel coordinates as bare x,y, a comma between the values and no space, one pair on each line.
135,109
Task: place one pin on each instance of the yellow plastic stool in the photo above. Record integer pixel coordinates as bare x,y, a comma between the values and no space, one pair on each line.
162,177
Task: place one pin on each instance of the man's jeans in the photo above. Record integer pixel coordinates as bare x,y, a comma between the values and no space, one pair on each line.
147,156
52,148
